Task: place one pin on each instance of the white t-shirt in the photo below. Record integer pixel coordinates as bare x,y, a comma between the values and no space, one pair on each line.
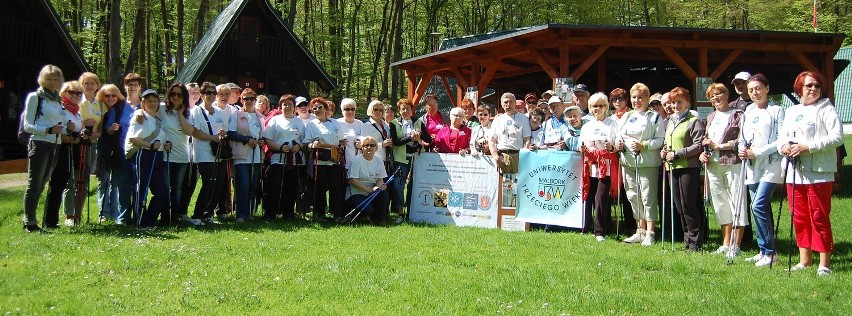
761,127
509,131
365,171
325,132
218,120
802,122
284,130
594,134
349,132
717,127
255,125
373,129
173,132
554,130
149,130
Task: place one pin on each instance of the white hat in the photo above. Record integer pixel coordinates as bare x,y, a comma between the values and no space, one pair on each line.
554,99
741,76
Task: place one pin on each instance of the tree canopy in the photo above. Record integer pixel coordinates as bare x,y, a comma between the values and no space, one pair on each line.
357,40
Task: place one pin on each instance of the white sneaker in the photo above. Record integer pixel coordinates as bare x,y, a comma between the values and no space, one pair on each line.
196,222
733,252
721,250
823,271
69,222
637,237
649,239
797,267
756,258
600,238
766,261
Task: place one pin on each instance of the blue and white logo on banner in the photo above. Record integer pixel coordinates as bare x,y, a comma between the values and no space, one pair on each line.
550,188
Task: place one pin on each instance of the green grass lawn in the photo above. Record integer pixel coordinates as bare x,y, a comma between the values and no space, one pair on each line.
305,268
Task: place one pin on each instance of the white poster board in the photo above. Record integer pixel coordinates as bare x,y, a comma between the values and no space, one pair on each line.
453,189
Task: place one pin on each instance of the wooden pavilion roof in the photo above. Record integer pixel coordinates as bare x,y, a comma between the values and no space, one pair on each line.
606,57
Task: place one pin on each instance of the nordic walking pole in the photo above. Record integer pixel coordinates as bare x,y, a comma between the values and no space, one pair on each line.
663,222
672,202
147,185
252,200
169,178
791,161
360,207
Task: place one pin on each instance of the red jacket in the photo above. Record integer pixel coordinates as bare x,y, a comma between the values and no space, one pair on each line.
447,146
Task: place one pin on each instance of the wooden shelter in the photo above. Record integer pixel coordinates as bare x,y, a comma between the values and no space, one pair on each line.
250,45
604,57
33,35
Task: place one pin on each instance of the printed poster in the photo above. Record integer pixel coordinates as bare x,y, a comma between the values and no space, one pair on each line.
453,189
549,188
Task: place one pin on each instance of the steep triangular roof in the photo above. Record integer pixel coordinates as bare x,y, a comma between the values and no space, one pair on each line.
219,29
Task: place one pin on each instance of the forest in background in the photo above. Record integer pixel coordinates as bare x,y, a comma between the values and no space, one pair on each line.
357,40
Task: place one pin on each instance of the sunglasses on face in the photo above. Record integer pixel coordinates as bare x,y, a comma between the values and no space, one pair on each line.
617,100
110,96
250,99
378,110
317,108
349,109
75,93
813,86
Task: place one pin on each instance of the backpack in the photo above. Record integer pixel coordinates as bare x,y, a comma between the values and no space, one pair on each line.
24,136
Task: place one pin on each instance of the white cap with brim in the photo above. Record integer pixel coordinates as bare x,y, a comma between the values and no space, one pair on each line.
571,108
741,76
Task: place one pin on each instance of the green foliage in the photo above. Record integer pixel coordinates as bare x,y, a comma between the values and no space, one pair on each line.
355,27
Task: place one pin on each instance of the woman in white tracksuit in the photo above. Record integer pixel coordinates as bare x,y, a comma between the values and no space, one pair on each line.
758,144
639,140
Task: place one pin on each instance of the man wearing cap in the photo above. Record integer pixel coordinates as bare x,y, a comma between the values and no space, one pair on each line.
581,99
530,101
234,100
554,128
302,110
432,121
740,81
510,131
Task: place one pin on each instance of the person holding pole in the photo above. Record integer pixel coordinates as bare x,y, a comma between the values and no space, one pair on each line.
640,139
811,132
759,144
210,124
283,135
244,130
684,134
62,187
144,143
723,169
366,175
406,142
598,138
323,140
176,130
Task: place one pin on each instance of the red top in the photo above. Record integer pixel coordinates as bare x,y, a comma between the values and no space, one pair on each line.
434,123
450,141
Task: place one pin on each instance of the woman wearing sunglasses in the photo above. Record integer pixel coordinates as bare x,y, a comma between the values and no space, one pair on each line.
245,128
322,139
367,175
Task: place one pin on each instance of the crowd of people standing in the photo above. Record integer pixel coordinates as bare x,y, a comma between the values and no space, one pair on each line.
289,157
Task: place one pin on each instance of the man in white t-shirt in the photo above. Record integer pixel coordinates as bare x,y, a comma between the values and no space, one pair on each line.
510,131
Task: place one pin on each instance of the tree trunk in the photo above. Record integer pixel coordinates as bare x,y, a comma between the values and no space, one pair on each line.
291,14
353,34
167,43
378,54
179,57
200,25
114,49
335,38
138,32
397,52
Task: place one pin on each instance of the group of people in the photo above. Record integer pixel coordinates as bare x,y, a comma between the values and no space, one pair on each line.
290,156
